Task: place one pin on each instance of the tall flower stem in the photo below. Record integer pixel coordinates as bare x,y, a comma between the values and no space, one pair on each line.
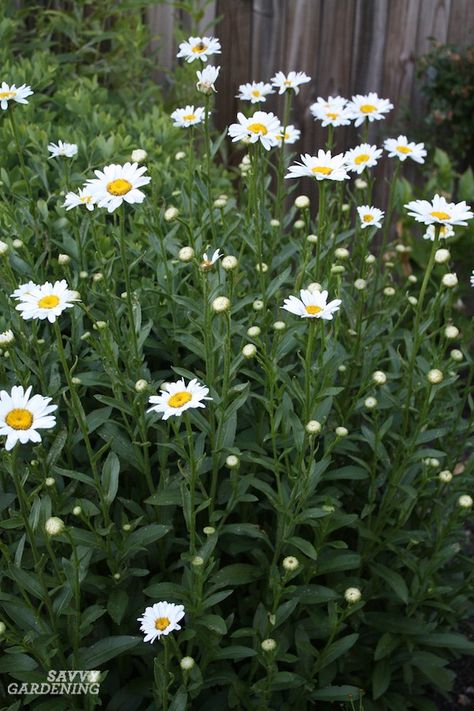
280,193
128,286
192,483
21,158
321,225
208,168
308,369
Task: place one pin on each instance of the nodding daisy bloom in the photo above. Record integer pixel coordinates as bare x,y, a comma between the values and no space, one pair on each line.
175,398
84,197
118,183
439,211
312,304
261,127
323,166
291,134
7,337
207,78
370,216
160,619
403,149
44,301
207,262
368,106
472,278
62,149
21,416
331,111
361,157
13,93
254,92
189,116
199,48
292,80
445,231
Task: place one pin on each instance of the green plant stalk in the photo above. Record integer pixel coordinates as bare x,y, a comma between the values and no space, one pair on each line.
321,225
192,483
76,588
208,168
280,194
224,396
22,160
308,373
128,287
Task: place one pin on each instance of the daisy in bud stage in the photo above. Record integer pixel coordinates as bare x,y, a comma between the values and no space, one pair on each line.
292,80
13,93
370,216
361,157
331,111
207,78
368,106
82,197
175,398
47,301
189,116
254,92
312,305
68,150
208,262
160,619
401,148
439,211
118,183
21,416
324,166
261,127
291,135
199,48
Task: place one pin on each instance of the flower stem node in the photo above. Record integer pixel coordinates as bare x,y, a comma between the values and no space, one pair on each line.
269,645
313,427
249,351
54,526
352,595
187,663
232,461
290,563
220,304
435,376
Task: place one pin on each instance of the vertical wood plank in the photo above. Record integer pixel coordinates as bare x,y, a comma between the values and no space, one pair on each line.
461,22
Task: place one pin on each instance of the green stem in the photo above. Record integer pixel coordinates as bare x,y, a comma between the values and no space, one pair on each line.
128,285
208,170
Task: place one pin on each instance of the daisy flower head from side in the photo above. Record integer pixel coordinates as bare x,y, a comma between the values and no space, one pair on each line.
370,216
402,148
199,48
439,211
209,261
445,231
21,416
82,197
472,278
368,106
312,304
13,93
362,157
290,134
68,150
176,398
331,111
292,80
116,184
160,619
261,127
324,166
45,301
255,91
189,116
207,77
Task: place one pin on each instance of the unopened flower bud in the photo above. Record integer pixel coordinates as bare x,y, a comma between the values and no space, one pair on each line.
442,256
313,427
312,239
360,284
257,305
98,276
63,259
451,332
220,304
360,184
141,385
370,259
279,325
450,280
352,595
180,155
465,501
17,243
370,403
197,561
187,663
249,350
232,461
290,563
139,155
274,223
262,267
186,254
389,291
456,355
254,331
342,431
435,376
3,248
77,511
342,253
379,377
50,481
229,263
302,202
54,526
268,645
208,530
299,224
171,213
445,476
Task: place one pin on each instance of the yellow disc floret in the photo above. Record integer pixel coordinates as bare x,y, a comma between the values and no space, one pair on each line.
48,302
368,108
321,169
19,419
440,215
161,623
119,186
258,128
313,310
180,399
361,158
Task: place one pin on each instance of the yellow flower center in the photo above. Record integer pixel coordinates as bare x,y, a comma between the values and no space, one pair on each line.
19,419
321,169
287,82
403,149
7,94
161,623
368,108
258,128
312,310
119,186
368,218
189,117
86,199
361,158
199,48
48,302
255,92
332,115
179,399
440,215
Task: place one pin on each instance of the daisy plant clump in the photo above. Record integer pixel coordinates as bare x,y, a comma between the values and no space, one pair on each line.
236,407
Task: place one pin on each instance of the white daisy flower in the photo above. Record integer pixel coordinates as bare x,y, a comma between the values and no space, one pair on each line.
261,127
199,48
361,157
7,337
445,231
292,80
160,619
312,304
323,166
472,278
83,197
370,216
331,111
439,211
45,301
207,78
116,183
368,106
21,417
13,93
177,397
62,149
292,135
189,116
207,262
403,149
254,92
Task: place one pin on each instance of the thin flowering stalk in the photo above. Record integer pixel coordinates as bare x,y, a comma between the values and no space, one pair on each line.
208,167
308,375
192,483
280,194
321,225
128,286
21,158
